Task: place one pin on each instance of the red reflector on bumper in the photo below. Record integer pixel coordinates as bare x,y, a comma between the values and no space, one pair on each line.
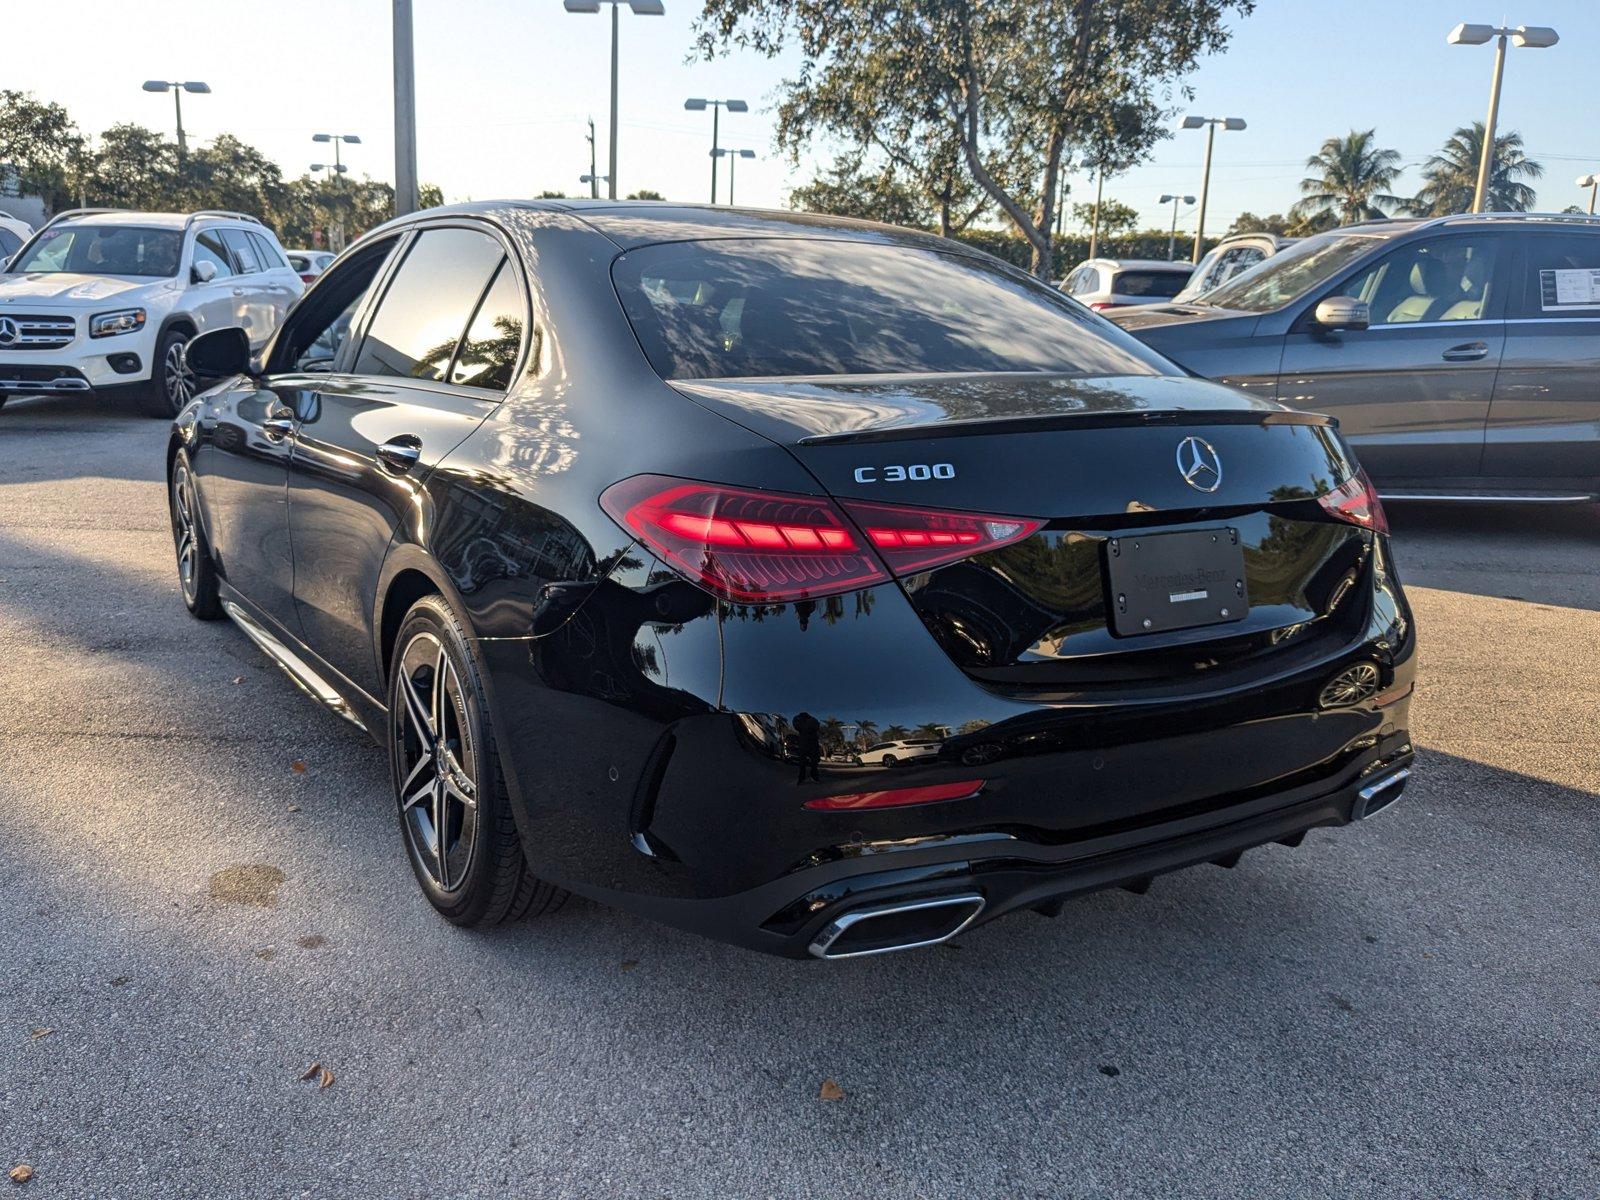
896,797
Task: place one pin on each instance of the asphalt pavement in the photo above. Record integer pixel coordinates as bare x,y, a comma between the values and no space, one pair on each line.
203,895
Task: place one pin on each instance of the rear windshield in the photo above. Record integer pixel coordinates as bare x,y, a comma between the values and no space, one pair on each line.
1163,284
104,250
1290,274
769,307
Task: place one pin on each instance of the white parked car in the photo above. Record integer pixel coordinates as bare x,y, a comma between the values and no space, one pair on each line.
105,300
12,234
1117,282
891,754
1233,255
308,264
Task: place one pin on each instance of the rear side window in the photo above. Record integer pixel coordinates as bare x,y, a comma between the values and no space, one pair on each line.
426,309
489,352
1560,276
244,254
10,243
773,307
299,262
1149,283
266,253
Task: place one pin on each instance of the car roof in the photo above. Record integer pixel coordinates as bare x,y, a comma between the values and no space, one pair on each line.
1395,226
1139,264
157,220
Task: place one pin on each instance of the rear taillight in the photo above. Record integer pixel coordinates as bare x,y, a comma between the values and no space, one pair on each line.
1356,501
1102,305
757,546
304,278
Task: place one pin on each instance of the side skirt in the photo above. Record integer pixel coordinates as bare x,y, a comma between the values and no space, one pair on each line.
350,702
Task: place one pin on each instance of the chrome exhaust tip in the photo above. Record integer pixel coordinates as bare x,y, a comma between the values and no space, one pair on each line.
900,925
1379,795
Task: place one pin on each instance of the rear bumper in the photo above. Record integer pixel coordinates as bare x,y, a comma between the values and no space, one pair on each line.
795,916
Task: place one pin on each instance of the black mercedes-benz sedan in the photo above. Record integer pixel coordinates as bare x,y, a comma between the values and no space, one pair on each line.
819,586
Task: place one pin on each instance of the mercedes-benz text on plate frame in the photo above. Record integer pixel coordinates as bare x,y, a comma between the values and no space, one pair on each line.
831,592
1199,464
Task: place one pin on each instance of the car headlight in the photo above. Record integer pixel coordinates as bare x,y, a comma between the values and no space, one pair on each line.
124,320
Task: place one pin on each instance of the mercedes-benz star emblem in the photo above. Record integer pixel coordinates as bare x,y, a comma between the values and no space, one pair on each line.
9,332
1199,465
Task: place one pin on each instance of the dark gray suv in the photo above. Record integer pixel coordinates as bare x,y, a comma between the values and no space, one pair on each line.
1461,355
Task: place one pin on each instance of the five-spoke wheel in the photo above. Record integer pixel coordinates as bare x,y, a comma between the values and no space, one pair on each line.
438,794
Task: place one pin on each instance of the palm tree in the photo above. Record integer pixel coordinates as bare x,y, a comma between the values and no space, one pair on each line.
1450,177
1351,181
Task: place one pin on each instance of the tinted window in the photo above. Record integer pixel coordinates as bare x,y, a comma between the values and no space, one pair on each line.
244,254
489,351
1149,283
778,307
319,326
1449,279
299,262
208,248
10,243
423,314
1293,272
105,250
266,253
1560,276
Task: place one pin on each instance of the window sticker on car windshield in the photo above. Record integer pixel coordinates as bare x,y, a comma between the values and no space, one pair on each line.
1567,288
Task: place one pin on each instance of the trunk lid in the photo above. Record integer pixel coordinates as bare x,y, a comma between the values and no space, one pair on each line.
1103,463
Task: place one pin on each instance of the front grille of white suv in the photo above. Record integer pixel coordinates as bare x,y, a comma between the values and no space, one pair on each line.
35,333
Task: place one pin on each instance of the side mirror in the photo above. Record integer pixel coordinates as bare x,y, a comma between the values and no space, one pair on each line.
1343,312
203,271
220,353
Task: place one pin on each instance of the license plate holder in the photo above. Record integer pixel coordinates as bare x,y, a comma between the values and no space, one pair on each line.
1158,582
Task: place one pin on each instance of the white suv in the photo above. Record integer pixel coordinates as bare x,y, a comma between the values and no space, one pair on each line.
105,300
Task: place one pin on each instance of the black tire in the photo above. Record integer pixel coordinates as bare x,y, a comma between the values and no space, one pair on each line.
890,760
482,877
172,384
197,574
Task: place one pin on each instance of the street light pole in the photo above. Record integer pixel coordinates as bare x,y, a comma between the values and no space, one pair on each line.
698,104
594,170
1211,123
641,8
733,156
178,88
1172,238
1592,182
1536,37
405,112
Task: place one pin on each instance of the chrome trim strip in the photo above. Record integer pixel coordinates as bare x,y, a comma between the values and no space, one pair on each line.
1575,498
835,928
293,665
65,383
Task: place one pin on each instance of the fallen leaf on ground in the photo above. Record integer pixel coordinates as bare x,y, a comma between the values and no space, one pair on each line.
298,767
629,964
296,808
21,1173
321,1074
312,941
830,1091
43,1031
238,678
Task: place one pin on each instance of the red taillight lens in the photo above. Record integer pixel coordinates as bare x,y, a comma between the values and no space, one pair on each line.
915,539
896,797
1356,501
742,544
1102,305
307,278
756,546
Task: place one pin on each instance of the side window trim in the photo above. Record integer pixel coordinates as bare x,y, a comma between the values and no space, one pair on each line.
380,290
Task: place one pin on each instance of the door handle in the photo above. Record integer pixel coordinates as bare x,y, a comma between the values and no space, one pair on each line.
277,428
1467,352
400,454
238,291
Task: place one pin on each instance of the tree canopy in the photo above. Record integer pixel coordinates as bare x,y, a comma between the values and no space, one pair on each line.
1450,177
1351,179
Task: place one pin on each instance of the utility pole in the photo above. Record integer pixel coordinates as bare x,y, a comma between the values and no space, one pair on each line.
1094,223
594,178
405,112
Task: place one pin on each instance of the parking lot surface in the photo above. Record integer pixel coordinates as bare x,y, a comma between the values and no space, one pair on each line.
203,893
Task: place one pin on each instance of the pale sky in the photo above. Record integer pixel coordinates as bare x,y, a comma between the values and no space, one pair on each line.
504,89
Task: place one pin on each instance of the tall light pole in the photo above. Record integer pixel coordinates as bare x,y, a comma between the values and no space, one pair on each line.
405,113
1210,123
337,139
1592,182
1172,238
697,104
1536,37
593,177
733,156
641,8
178,88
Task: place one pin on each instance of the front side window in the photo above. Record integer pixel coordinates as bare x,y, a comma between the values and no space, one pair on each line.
772,307
1560,276
208,248
105,250
319,327
1287,276
1449,279
425,311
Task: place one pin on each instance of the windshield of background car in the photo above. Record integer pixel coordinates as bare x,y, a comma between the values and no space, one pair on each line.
1291,274
772,307
104,250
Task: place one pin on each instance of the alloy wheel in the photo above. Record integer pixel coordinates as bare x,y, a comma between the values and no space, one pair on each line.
176,376
438,762
183,509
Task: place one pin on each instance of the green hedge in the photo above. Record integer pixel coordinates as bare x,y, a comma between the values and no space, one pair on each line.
1072,248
